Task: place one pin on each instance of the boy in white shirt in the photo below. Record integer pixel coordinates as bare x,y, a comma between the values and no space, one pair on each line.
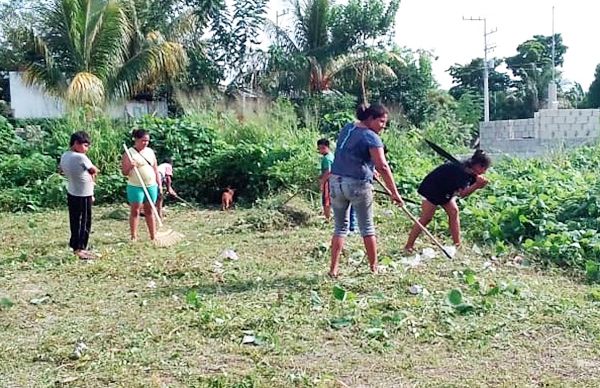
80,173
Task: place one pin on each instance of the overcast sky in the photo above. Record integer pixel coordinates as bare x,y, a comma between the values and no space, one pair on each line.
437,25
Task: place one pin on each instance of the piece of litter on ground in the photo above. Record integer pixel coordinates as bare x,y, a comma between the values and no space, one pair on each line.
79,350
248,339
450,249
429,253
411,262
388,213
151,284
487,265
415,289
518,260
230,255
476,249
41,300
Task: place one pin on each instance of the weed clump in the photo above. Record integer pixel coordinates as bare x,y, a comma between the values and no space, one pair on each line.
278,212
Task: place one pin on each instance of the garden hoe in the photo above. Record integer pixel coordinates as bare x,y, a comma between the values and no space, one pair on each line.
413,219
183,201
163,238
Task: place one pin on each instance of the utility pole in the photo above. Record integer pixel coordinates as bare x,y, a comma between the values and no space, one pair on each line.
553,87
553,50
277,16
486,49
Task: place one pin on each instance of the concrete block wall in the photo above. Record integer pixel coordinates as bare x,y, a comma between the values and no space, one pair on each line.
569,123
509,129
548,130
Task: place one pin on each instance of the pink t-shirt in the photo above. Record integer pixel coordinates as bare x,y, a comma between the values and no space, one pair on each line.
165,169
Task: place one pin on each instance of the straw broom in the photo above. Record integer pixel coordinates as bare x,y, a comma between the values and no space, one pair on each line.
165,237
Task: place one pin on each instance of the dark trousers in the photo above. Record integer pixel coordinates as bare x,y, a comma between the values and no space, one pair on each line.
80,220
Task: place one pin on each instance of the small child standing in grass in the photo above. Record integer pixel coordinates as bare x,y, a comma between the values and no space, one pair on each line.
326,163
80,174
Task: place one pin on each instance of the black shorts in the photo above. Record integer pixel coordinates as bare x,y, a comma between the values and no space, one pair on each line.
437,200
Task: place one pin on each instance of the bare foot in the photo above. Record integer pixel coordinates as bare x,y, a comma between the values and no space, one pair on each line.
333,275
89,255
409,250
84,255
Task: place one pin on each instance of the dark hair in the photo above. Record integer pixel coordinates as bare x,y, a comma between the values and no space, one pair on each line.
374,111
480,158
80,137
139,133
168,160
323,142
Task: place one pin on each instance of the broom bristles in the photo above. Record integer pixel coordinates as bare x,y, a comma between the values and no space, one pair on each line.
167,238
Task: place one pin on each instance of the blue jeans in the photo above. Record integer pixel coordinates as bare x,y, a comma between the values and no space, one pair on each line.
352,219
358,194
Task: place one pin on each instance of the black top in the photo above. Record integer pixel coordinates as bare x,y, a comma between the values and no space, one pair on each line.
440,185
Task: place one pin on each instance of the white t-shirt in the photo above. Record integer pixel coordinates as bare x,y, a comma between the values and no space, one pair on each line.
75,166
145,161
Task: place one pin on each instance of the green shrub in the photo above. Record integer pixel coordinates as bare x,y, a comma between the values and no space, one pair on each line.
9,143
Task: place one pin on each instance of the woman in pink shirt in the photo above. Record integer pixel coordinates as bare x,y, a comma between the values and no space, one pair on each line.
165,170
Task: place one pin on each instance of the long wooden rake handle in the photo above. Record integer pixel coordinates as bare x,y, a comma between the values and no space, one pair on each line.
139,176
414,219
186,203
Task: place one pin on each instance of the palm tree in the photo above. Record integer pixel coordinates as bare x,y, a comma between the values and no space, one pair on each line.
295,53
364,64
312,41
92,51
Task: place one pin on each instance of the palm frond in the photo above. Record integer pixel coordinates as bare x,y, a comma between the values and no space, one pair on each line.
85,89
42,71
183,26
111,41
282,37
155,62
311,20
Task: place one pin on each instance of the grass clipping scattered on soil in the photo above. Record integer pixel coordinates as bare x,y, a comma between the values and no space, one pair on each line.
267,315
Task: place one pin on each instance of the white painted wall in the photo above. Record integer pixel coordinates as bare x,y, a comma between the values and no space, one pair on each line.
33,102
